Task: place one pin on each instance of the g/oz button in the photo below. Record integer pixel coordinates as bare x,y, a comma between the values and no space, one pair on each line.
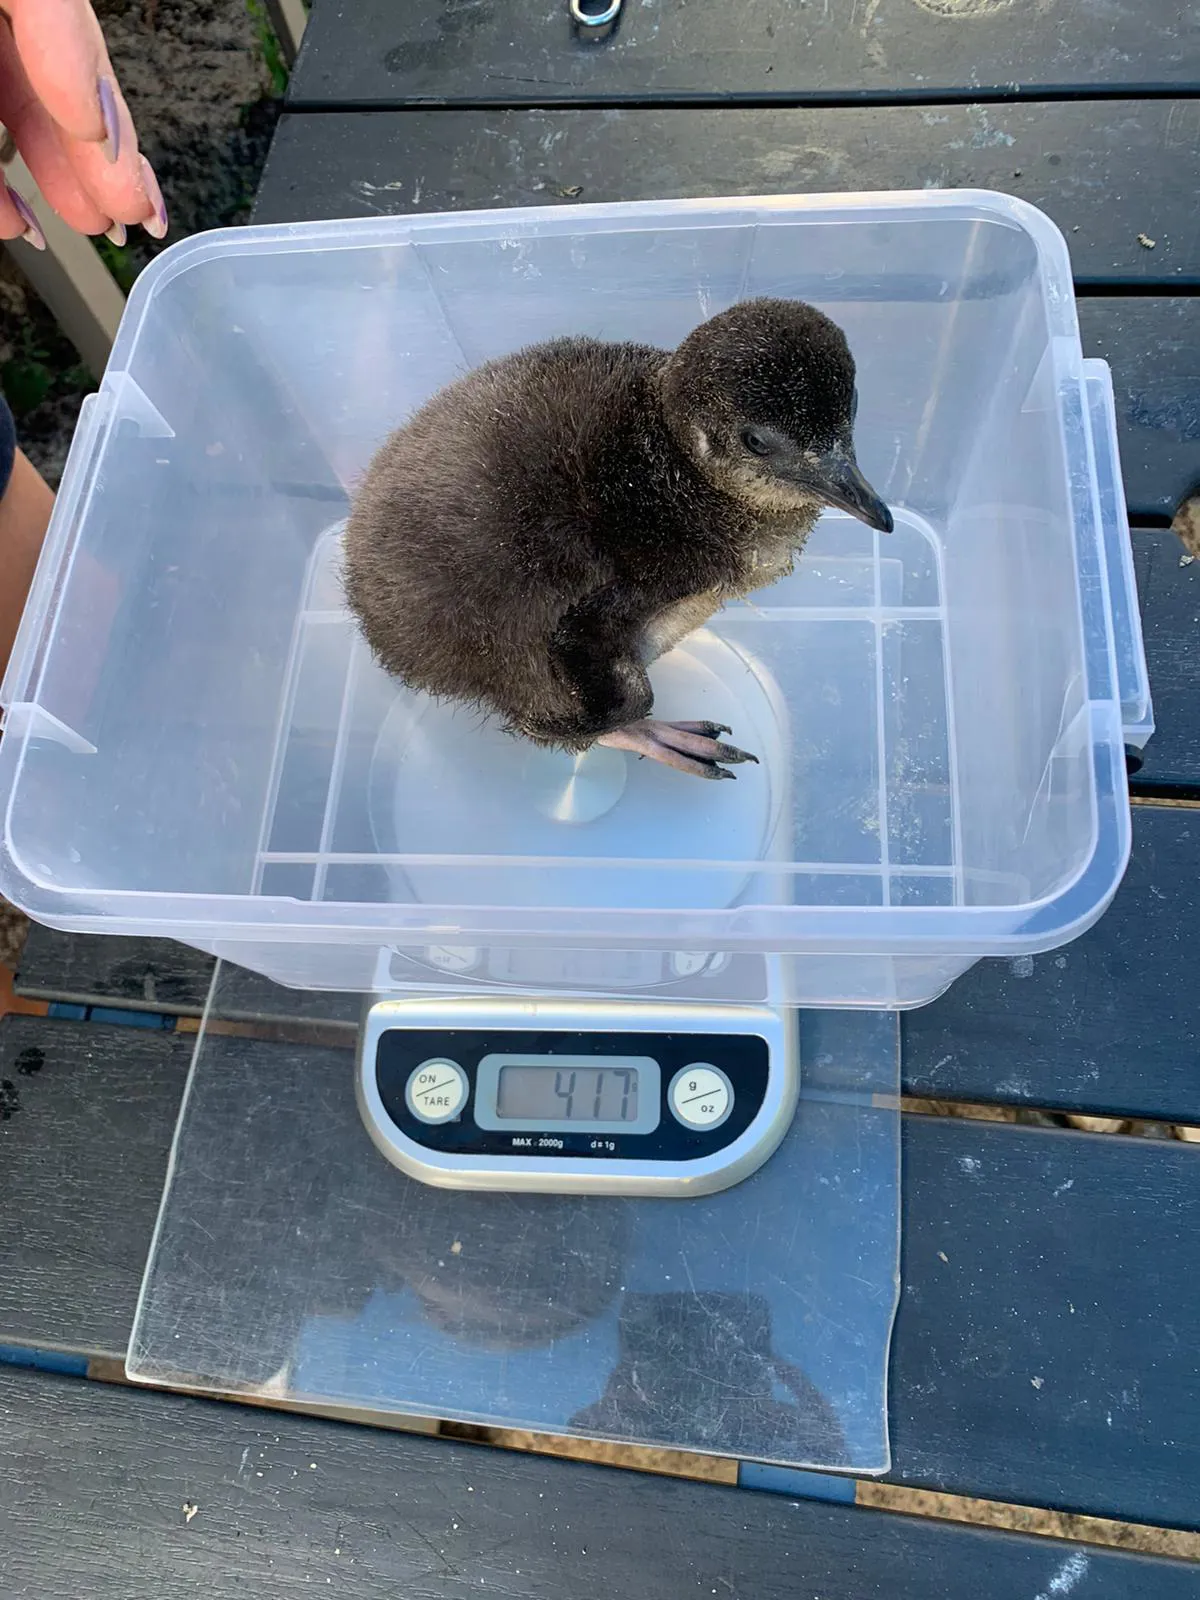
700,1096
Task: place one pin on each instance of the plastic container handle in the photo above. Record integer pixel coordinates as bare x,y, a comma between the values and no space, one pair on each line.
1125,622
36,623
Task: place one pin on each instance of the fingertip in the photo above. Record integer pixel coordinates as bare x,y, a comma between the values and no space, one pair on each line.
32,234
156,225
60,53
118,191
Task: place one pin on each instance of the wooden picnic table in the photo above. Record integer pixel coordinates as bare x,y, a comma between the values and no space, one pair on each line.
1044,1353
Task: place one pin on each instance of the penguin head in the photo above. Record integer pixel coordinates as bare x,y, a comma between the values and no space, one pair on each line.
762,399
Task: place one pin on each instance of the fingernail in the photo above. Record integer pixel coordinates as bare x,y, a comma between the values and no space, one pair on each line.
117,234
156,227
33,233
112,120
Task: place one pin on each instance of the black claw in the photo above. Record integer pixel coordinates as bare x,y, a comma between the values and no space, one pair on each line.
730,752
709,730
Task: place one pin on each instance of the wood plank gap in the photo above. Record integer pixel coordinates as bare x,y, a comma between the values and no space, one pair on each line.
1136,288
1146,1538
1049,1117
320,1032
1159,796
600,1452
996,95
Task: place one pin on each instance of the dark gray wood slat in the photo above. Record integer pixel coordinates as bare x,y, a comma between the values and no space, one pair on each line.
489,52
1151,342
96,970
1104,170
1102,1025
86,1118
1044,1349
161,975
1169,594
94,1479
349,164
1031,1222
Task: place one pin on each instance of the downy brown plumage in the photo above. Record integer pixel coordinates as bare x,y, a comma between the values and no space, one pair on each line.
547,526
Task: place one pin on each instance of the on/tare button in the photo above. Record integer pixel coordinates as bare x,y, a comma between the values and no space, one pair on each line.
437,1090
700,1096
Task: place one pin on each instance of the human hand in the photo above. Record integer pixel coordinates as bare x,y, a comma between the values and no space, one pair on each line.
60,102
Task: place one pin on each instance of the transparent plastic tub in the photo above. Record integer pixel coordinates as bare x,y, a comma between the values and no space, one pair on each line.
198,745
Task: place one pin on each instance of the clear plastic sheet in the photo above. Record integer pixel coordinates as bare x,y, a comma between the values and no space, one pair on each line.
291,1260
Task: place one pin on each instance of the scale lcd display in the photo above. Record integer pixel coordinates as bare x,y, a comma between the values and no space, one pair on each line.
595,1093
574,1096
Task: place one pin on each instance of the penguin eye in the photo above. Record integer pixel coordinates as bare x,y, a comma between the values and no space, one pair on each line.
755,442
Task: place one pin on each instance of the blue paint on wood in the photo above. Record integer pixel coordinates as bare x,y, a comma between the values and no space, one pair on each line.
16,1355
795,1481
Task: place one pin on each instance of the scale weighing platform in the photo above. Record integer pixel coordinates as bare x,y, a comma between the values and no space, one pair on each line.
582,1097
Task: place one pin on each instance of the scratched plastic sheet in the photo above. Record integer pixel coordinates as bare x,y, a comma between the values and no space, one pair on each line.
292,1261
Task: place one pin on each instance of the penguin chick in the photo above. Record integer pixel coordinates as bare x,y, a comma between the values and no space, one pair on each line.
543,529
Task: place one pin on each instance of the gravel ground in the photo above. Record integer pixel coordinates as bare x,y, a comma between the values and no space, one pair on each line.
203,81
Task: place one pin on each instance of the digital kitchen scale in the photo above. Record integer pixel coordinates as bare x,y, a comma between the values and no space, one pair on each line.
577,1096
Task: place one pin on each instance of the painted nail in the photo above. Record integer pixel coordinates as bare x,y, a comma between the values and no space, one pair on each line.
117,234
112,120
33,233
156,227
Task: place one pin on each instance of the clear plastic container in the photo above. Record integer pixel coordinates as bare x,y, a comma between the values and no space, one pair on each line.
197,744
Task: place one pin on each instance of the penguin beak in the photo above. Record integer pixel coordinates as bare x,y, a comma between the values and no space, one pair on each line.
838,481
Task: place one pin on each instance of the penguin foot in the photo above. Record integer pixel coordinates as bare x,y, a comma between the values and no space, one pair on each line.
693,747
